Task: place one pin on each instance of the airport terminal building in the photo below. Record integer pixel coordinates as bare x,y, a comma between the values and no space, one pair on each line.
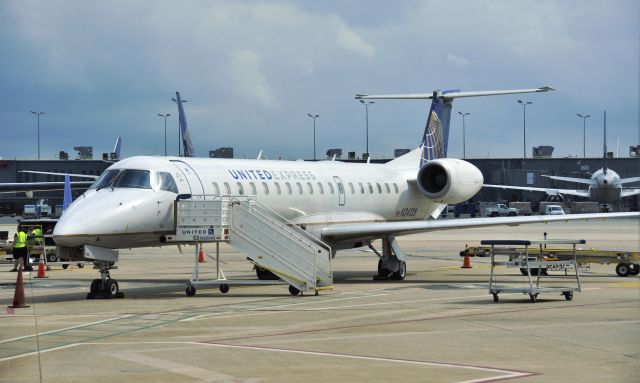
500,171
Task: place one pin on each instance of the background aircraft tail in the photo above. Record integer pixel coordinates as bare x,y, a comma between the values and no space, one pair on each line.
116,148
187,146
435,138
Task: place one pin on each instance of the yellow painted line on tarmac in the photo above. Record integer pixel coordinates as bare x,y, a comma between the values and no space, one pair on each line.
627,284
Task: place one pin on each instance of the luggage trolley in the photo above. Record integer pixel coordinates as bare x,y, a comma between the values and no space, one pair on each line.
523,259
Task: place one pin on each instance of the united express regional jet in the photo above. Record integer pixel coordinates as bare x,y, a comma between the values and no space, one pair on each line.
345,205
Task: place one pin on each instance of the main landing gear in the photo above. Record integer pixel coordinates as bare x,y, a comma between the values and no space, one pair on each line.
391,264
104,287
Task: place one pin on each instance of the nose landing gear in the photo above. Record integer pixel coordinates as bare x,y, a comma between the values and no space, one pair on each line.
104,287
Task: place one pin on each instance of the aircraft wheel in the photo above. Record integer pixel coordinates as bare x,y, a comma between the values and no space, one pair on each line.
533,297
111,289
52,258
293,290
224,288
65,266
622,269
568,295
401,273
96,285
190,291
495,298
80,265
634,269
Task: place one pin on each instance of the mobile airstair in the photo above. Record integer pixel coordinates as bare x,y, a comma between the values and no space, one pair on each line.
270,241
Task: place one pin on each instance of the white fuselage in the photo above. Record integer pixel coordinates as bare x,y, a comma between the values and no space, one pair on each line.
606,188
316,194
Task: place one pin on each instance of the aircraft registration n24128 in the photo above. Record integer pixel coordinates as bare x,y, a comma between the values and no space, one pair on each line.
344,205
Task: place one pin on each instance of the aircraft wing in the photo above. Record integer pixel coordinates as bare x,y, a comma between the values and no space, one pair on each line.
375,230
629,192
18,187
586,181
628,180
549,191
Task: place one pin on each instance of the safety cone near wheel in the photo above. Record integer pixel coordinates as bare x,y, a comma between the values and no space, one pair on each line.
18,295
466,263
41,269
201,258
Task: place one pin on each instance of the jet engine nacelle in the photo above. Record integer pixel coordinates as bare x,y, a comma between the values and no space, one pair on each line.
555,198
449,180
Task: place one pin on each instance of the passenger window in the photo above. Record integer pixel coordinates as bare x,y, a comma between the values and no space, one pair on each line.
386,185
320,188
379,188
330,187
361,187
370,188
353,190
216,188
289,191
395,187
253,188
227,188
165,182
265,187
299,186
310,187
278,190
240,188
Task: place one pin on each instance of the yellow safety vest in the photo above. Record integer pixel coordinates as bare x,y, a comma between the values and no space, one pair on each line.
36,234
20,239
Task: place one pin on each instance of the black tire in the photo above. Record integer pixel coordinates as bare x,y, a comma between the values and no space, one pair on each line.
52,258
293,290
568,295
622,269
495,298
512,214
96,285
65,266
265,275
190,291
111,288
80,265
634,268
401,273
494,214
533,298
382,272
224,288
534,272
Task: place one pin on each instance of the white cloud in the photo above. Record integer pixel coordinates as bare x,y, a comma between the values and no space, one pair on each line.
244,67
458,62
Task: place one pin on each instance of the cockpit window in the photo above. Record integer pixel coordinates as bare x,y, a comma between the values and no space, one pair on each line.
105,179
131,178
166,182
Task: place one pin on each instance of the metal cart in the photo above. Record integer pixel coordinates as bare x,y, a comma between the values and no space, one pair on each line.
523,259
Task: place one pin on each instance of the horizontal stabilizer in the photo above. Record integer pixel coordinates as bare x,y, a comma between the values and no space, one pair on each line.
450,95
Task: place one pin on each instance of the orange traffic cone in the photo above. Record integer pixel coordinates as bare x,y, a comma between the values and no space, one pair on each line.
466,264
201,258
18,295
41,268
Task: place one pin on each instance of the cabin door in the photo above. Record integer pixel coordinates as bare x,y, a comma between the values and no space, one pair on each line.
341,193
186,173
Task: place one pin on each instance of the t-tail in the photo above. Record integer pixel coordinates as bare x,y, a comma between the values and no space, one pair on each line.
116,148
604,146
435,138
187,146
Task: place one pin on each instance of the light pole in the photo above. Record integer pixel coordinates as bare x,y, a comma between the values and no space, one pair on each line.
464,134
165,130
584,134
314,116
366,114
38,115
179,134
524,126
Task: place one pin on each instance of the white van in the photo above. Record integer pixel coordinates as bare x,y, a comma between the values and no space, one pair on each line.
554,210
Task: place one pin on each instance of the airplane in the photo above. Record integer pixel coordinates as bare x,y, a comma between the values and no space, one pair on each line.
605,185
346,205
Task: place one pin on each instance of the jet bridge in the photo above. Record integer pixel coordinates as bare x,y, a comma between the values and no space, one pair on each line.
270,241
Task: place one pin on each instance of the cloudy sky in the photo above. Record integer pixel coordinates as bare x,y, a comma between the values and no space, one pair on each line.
252,70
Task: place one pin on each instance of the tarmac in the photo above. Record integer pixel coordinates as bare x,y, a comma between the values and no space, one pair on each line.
440,324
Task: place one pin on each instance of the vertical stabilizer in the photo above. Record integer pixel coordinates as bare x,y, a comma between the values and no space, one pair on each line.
182,120
67,198
116,148
604,145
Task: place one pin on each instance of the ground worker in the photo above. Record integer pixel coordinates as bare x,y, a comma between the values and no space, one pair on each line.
20,249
